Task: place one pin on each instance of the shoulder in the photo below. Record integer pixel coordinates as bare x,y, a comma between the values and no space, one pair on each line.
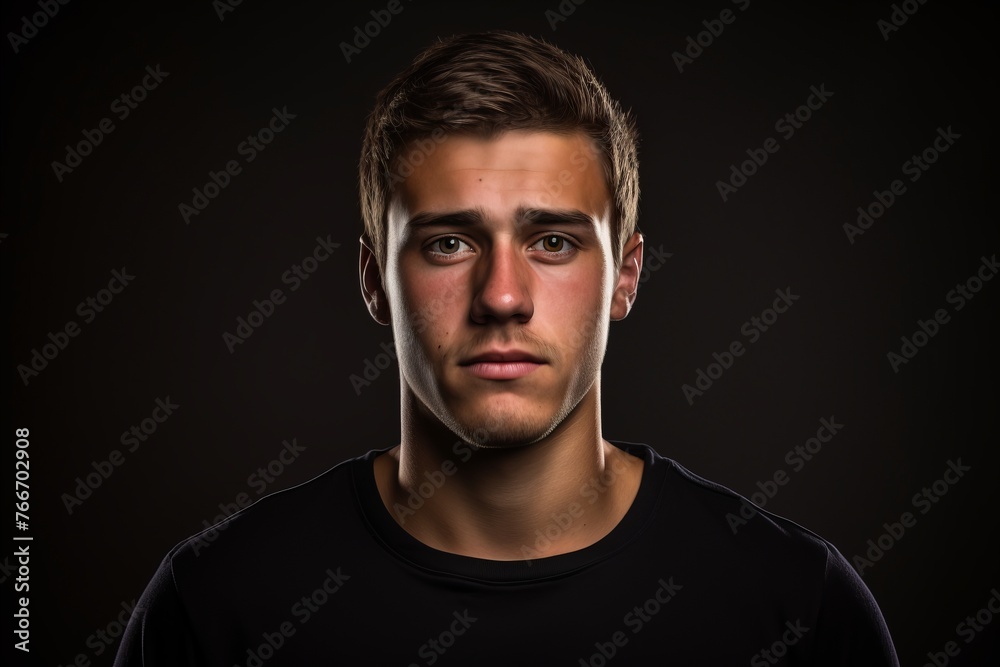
726,530
240,570
759,562
313,511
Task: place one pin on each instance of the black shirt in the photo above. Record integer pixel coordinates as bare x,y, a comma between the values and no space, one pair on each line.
323,574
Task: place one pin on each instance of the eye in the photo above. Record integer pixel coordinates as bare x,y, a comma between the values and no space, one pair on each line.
447,246
553,244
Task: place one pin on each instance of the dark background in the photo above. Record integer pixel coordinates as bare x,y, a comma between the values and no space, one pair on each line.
162,336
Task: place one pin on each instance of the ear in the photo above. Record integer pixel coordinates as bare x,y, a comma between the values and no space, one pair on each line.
628,277
371,284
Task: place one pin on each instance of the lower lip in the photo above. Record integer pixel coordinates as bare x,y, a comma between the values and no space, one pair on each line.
502,370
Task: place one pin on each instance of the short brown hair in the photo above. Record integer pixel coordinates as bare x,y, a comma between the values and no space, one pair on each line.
484,85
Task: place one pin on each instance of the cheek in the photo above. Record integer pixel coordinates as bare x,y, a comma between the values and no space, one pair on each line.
430,304
575,307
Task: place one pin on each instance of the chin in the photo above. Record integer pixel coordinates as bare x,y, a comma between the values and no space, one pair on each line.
510,437
506,424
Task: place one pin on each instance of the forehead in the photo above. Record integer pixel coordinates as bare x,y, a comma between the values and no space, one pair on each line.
501,175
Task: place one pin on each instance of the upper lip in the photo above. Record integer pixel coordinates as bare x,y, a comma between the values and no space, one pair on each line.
499,356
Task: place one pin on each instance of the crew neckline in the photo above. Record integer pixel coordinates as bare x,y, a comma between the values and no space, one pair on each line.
395,539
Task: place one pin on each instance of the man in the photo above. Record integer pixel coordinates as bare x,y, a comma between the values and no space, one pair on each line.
499,188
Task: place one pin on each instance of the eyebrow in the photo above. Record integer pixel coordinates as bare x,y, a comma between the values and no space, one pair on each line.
523,215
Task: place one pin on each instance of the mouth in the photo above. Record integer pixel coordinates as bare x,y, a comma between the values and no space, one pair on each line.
502,364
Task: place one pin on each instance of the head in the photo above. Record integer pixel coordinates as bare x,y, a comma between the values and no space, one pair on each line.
499,191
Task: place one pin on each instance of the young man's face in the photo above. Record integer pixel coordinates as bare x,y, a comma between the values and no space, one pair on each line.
501,282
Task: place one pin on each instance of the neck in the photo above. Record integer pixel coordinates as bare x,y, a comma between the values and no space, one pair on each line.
559,494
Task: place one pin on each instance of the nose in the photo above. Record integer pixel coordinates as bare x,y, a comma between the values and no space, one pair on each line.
502,287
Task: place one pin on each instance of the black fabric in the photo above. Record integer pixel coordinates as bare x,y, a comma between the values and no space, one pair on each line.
323,574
